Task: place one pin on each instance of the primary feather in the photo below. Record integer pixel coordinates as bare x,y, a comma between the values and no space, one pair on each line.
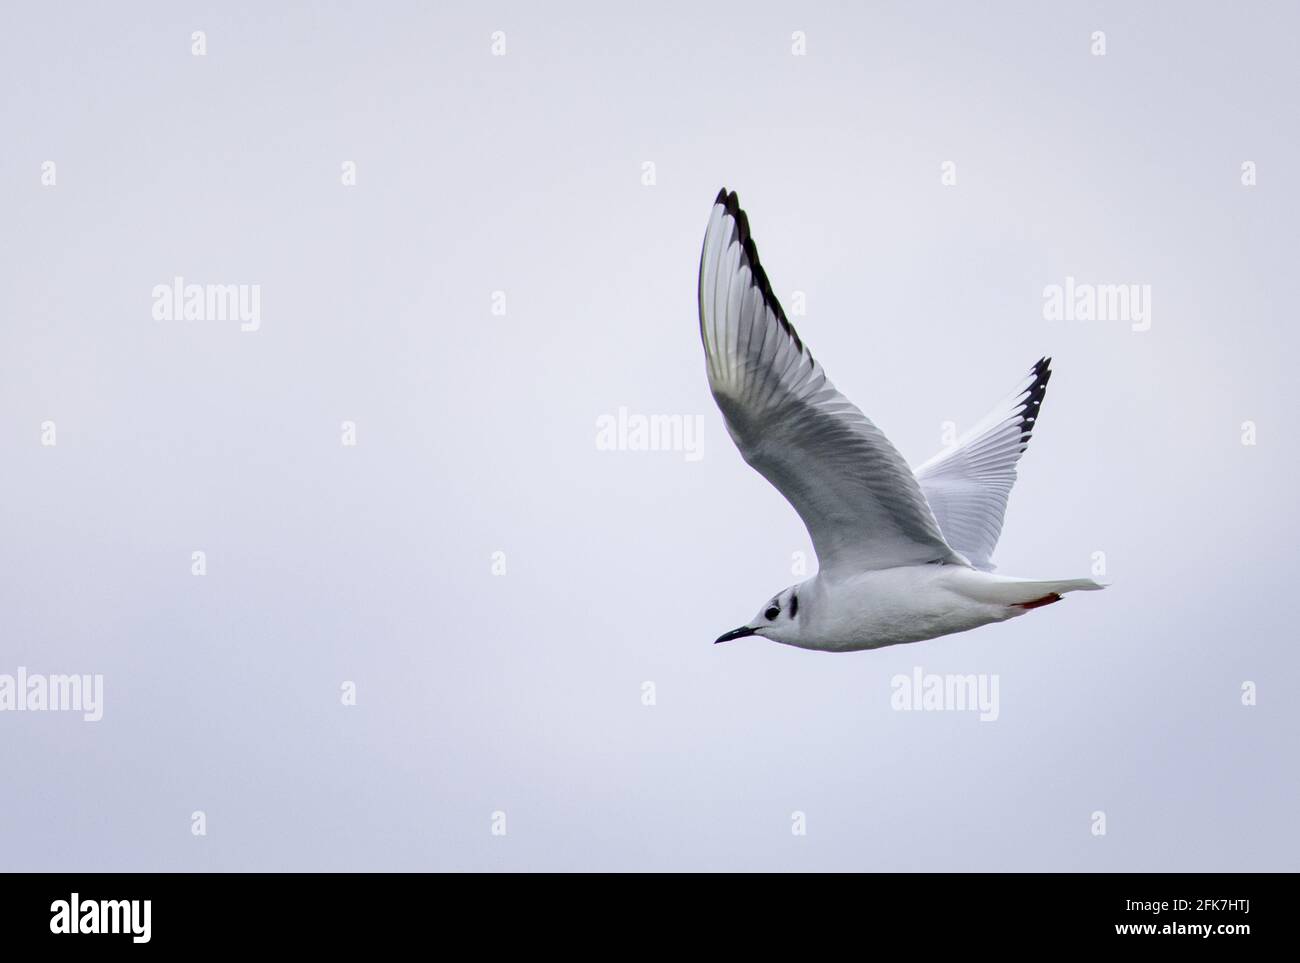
860,502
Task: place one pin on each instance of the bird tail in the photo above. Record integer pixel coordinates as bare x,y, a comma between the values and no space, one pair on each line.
1069,585
1027,593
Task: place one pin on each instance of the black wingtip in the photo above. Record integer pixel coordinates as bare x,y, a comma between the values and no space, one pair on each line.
731,203
1032,404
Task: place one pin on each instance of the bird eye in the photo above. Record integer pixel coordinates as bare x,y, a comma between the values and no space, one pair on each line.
772,613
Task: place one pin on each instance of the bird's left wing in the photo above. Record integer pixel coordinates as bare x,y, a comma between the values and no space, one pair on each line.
967,485
854,492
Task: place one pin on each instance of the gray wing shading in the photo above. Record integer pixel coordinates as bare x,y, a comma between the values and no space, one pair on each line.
967,485
858,499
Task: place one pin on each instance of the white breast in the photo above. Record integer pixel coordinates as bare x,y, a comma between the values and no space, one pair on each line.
889,606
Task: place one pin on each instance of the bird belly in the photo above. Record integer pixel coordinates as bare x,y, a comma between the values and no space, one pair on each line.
894,606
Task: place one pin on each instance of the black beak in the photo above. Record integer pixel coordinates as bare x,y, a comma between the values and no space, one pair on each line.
739,633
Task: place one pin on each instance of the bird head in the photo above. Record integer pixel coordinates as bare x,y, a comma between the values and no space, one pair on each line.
778,619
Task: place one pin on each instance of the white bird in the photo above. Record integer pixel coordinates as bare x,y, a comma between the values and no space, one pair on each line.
902,555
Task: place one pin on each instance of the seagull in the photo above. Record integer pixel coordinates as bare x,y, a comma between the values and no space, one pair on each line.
902,555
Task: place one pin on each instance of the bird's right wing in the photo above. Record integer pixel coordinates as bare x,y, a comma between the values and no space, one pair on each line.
860,502
967,485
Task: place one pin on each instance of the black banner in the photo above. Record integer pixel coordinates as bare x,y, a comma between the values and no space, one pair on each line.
181,911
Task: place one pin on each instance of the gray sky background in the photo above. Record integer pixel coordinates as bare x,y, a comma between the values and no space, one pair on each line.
476,433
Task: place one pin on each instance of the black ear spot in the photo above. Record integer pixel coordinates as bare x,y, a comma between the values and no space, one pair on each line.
794,605
772,613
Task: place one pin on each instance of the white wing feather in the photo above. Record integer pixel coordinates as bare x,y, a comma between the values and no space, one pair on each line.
858,499
967,485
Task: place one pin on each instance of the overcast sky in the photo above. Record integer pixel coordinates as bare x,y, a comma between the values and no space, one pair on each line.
461,251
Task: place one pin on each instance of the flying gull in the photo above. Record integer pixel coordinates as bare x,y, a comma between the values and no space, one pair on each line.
902,555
